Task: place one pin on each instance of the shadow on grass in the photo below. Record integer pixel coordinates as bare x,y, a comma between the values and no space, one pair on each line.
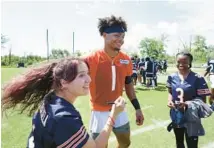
161,84
134,90
143,89
160,87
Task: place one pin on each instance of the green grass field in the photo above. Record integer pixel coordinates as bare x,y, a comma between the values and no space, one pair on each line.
153,134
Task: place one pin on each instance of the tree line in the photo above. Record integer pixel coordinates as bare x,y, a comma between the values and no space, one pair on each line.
155,47
152,47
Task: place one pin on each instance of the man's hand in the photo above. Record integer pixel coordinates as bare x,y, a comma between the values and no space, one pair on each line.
139,117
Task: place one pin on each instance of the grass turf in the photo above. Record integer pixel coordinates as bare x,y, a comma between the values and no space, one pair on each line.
16,127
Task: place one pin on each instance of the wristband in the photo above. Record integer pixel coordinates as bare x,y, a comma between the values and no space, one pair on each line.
135,103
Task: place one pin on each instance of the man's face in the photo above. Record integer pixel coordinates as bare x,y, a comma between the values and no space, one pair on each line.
114,40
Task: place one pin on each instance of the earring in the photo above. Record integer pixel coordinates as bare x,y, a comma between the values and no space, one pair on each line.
189,66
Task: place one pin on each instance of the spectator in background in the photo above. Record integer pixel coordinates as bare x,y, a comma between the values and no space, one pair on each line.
149,66
134,71
210,71
141,67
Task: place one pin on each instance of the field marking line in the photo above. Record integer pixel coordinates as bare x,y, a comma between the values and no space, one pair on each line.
208,145
145,129
159,122
147,107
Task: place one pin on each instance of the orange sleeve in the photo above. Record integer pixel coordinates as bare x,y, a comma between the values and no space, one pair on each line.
87,59
91,60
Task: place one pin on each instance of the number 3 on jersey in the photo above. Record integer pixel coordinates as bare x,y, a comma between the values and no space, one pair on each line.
181,95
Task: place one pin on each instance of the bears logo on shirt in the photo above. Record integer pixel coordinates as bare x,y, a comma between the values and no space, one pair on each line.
124,61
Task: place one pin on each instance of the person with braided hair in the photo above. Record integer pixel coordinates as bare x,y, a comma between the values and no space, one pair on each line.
52,90
183,86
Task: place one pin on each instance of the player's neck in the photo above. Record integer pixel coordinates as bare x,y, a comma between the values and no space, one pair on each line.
111,52
184,73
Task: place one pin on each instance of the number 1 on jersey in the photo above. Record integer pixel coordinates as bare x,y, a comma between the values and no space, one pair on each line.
113,69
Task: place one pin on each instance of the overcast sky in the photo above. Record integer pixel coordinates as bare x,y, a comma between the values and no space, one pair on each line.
25,23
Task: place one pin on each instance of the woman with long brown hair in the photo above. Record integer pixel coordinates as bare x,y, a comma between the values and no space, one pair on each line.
52,89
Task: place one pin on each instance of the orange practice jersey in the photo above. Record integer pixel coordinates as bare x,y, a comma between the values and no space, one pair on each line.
108,78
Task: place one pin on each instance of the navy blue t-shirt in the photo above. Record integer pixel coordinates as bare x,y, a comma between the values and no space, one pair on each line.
150,67
57,124
193,86
134,67
141,66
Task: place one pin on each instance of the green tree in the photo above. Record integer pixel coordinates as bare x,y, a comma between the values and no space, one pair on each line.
210,52
12,60
152,47
170,59
59,53
199,49
199,43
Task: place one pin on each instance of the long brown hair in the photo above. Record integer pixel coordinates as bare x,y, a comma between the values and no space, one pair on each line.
29,89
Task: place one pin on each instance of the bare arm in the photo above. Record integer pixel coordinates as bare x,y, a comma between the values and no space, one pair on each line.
102,140
170,103
169,94
130,92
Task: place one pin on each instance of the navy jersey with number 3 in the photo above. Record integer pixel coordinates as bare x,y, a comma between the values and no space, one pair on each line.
57,124
193,86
